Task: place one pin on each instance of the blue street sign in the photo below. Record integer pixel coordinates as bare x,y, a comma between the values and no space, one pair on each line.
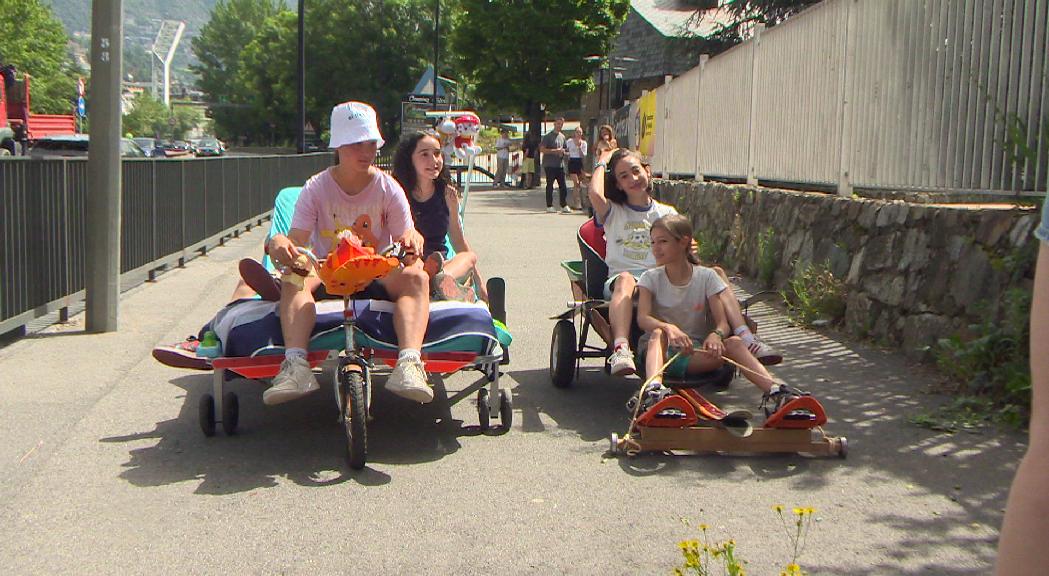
81,109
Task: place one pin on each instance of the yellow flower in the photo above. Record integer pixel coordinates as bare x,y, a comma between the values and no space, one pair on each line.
703,527
778,508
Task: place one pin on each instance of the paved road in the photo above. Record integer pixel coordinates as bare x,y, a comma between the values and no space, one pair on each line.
105,470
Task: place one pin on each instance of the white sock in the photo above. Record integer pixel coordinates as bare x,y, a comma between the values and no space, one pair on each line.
621,342
290,353
408,354
744,333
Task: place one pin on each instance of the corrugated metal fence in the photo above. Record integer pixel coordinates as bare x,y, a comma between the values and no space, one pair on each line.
947,95
171,210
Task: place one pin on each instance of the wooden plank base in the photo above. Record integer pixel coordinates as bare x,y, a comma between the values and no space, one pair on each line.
709,439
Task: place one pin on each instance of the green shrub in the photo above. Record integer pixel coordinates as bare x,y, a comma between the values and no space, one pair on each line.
814,293
712,245
994,364
768,257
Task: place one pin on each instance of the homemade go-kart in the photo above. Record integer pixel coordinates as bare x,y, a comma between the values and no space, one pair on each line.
356,339
685,420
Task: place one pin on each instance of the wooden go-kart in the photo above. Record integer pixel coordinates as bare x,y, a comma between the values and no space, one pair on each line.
685,420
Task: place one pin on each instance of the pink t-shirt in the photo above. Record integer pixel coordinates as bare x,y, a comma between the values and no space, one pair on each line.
377,215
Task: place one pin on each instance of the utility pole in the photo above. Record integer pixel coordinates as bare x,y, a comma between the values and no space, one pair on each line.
302,76
436,48
102,270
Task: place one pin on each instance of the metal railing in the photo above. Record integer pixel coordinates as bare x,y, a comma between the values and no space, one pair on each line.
884,94
171,211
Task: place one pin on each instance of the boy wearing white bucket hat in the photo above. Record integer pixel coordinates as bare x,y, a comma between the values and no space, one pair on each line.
352,195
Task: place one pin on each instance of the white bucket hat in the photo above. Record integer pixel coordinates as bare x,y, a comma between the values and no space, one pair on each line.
353,122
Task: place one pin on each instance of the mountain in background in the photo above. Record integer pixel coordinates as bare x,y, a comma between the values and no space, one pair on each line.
141,23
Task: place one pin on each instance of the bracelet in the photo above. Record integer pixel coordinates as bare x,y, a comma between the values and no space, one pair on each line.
719,333
600,165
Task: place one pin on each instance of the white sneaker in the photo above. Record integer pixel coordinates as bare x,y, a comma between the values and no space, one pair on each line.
294,381
566,210
408,380
551,209
765,354
622,362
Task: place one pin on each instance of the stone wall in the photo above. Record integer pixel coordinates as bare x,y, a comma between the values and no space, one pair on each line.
913,272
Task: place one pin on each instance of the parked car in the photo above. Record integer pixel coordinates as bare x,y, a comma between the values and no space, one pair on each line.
75,146
175,148
209,147
150,147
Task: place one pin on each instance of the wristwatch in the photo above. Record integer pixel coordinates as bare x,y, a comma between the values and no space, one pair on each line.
600,165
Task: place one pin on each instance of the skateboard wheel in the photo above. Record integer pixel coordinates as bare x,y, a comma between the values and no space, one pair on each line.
613,444
843,448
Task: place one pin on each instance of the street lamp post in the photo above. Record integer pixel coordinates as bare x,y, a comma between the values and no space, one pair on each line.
604,93
302,77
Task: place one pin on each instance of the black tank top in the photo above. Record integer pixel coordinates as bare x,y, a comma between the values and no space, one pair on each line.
431,220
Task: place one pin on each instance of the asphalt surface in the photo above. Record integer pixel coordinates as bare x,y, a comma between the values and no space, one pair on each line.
105,470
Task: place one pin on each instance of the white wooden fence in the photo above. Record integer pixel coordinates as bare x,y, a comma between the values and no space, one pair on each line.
947,95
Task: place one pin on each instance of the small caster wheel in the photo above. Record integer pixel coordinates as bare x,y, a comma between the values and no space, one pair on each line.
206,415
230,413
506,409
613,444
484,412
843,448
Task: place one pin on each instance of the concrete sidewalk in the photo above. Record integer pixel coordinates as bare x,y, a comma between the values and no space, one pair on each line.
105,470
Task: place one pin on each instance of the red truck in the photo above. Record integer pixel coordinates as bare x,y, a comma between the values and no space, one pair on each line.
17,123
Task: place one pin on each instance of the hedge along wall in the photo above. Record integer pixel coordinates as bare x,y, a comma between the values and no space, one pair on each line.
914,273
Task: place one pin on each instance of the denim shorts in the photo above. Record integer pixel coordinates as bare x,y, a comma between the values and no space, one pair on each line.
1042,232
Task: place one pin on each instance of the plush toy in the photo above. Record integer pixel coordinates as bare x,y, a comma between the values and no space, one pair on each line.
446,128
467,126
298,272
351,266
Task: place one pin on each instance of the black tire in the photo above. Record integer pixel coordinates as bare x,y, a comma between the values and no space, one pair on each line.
206,415
506,409
484,413
230,413
355,416
562,354
496,288
9,146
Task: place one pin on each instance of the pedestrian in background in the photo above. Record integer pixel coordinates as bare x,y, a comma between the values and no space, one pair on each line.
529,148
502,157
606,140
553,150
576,147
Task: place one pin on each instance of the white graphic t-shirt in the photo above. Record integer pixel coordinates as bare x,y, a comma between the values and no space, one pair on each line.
683,306
628,247
377,215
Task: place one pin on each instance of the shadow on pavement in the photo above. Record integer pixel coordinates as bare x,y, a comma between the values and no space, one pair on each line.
300,440
870,396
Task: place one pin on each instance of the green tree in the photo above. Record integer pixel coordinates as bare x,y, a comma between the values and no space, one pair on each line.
148,117
34,41
542,63
234,24
372,51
